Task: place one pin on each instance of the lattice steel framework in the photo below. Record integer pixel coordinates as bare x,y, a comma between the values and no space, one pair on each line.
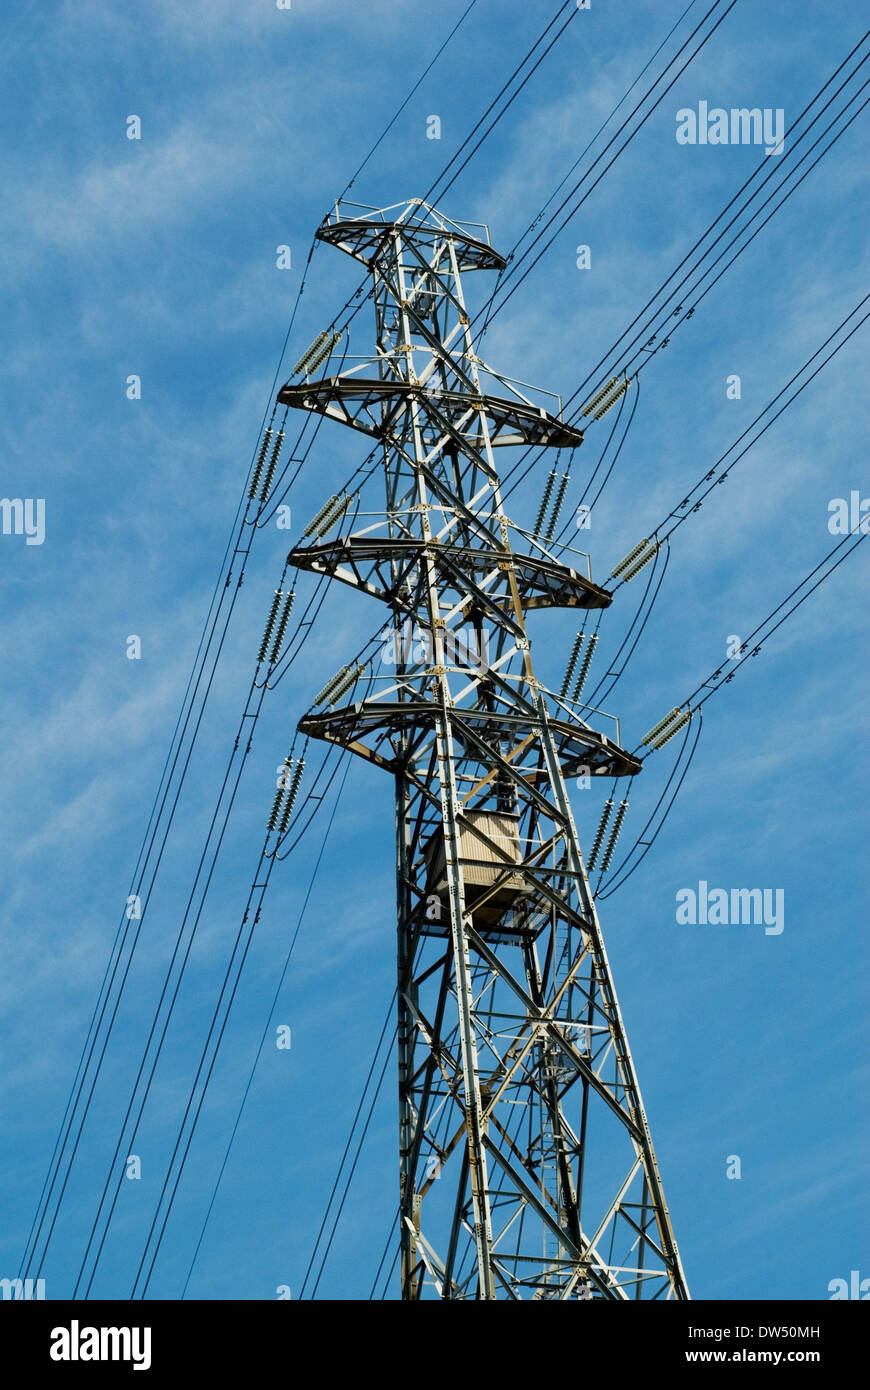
526,1164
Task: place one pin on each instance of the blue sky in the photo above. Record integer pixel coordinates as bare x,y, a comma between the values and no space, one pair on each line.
157,258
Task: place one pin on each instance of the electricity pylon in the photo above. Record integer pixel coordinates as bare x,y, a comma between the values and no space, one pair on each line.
527,1168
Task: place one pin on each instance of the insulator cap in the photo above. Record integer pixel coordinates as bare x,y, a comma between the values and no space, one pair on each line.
289,600
279,796
291,796
599,396
258,466
309,352
611,400
572,662
322,352
270,623
627,559
334,514
656,728
584,669
557,506
640,564
614,836
599,834
318,516
330,685
352,674
545,502
672,729
273,464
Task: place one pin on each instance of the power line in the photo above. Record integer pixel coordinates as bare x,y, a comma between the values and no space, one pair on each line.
716,681
259,697
765,167
619,878
136,934
209,628
424,74
614,676
358,1151
756,648
270,1015
173,1001
436,184
383,1257
309,796
256,917
531,227
680,514
690,312
124,930
666,312
166,985
505,297
568,5
360,295
770,173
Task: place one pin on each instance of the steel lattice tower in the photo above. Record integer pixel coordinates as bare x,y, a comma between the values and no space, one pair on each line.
527,1168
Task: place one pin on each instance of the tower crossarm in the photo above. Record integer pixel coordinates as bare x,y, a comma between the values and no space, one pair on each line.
382,566
376,725
374,406
365,232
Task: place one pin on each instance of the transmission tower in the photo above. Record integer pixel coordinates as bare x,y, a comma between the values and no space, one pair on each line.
527,1168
